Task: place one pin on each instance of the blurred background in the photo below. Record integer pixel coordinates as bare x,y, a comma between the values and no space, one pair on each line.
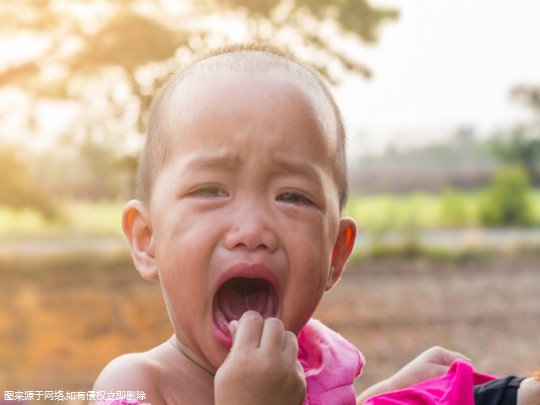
442,105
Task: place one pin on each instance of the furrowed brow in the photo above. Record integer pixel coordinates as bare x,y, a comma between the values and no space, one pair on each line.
300,168
204,162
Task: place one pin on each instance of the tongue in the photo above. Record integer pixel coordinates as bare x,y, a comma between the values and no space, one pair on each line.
240,295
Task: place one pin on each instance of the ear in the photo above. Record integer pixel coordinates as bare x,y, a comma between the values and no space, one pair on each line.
342,250
138,231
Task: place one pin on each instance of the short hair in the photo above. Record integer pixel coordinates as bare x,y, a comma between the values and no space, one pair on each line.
263,55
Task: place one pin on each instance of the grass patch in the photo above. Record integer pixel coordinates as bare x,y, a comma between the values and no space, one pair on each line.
449,209
416,251
74,218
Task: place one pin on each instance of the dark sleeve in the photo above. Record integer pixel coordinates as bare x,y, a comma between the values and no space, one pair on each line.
497,392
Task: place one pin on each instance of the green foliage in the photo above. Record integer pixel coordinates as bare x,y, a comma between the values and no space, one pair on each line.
18,191
419,252
454,209
506,202
519,147
380,215
385,212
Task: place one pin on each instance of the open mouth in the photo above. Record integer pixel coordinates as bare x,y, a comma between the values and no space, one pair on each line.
238,295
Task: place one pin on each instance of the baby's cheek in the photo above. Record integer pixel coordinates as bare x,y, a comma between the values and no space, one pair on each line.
301,306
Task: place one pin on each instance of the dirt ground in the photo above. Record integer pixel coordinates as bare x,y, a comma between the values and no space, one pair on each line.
59,327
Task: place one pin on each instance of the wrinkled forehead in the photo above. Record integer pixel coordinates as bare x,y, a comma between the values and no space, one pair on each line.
246,68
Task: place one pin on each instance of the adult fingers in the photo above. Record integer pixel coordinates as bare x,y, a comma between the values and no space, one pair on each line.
446,357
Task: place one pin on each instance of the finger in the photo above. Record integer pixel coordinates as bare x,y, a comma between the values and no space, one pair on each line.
290,345
446,357
451,356
248,334
437,370
273,335
233,328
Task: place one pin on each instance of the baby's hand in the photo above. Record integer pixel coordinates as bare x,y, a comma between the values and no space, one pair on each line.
432,363
262,366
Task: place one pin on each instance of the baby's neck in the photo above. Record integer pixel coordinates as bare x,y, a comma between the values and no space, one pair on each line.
184,381
190,358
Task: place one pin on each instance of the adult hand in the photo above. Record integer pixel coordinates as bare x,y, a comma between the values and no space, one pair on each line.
432,363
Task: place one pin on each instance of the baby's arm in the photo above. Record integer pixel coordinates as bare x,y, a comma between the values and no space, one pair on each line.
430,364
529,391
262,366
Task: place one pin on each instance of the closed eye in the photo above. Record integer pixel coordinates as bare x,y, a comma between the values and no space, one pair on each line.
294,198
208,192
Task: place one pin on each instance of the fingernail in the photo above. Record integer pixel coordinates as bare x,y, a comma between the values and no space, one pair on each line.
233,327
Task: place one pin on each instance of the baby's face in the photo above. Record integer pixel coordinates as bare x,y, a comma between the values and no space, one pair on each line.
245,212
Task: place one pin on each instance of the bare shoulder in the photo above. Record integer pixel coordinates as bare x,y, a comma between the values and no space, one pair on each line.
131,372
164,374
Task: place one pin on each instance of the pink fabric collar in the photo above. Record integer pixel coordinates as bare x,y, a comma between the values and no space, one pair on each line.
331,365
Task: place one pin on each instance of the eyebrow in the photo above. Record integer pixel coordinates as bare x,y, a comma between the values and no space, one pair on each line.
230,161
297,167
218,161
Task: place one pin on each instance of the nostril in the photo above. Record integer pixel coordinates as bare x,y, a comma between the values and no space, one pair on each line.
251,238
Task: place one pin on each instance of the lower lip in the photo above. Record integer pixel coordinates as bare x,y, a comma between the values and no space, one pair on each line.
221,330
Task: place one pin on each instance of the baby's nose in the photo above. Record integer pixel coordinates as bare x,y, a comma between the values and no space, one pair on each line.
251,230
